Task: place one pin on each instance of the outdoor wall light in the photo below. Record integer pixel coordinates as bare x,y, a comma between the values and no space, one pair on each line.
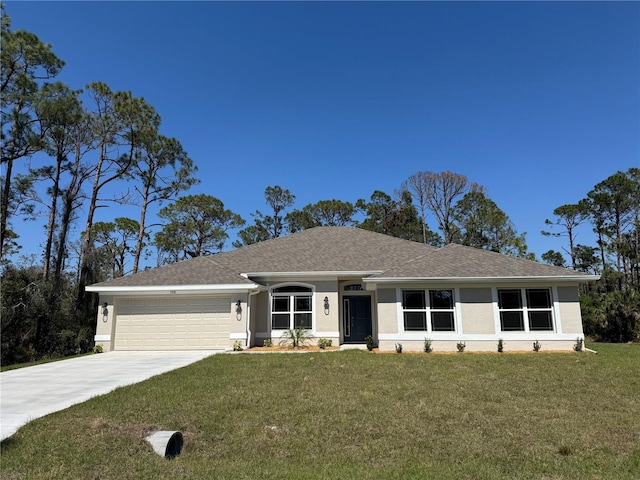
238,310
326,305
105,311
238,305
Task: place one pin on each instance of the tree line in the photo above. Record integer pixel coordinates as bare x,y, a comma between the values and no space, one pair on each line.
68,152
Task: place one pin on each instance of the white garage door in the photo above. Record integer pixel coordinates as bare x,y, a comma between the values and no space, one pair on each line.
172,323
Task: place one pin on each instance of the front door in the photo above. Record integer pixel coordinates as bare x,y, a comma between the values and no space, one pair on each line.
356,314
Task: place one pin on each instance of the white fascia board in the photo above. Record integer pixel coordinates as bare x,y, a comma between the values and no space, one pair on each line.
175,289
527,279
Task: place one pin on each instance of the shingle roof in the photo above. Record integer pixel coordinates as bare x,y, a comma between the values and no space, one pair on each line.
339,249
459,261
197,271
324,249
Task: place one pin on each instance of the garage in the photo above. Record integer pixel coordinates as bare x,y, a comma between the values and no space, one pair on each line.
172,323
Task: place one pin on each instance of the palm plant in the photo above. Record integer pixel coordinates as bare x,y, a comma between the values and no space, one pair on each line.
296,337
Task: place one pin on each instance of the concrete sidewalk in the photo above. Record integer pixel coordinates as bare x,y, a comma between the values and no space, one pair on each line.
33,392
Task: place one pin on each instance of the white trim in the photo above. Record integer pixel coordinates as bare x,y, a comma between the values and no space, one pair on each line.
399,311
464,280
102,338
292,312
311,274
555,302
238,336
525,309
457,309
496,311
174,289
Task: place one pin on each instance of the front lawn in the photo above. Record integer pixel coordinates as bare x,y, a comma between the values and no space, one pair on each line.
355,414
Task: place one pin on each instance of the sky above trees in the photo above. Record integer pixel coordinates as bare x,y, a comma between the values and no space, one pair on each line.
536,101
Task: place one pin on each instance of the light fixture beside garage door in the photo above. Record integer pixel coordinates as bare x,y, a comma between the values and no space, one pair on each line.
105,312
238,310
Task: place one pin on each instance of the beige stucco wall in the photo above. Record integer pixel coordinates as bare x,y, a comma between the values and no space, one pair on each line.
570,310
476,311
104,330
387,311
238,323
259,313
327,322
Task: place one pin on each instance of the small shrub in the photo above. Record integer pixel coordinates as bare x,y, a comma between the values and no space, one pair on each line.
237,346
500,346
370,342
324,343
267,342
578,345
297,337
427,346
398,348
536,346
461,346
98,348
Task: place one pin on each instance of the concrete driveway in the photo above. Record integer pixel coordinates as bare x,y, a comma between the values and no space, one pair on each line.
33,392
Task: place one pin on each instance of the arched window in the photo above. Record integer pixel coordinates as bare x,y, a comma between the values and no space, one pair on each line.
291,307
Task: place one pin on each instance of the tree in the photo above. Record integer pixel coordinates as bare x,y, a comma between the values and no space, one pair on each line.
164,170
60,112
418,186
397,218
586,259
618,319
116,241
196,225
250,235
612,205
333,213
278,199
24,61
482,224
79,172
569,218
553,258
441,191
119,120
378,212
268,226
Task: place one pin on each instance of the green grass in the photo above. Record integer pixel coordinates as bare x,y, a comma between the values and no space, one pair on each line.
357,415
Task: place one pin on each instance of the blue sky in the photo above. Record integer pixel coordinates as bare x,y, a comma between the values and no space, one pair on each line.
537,101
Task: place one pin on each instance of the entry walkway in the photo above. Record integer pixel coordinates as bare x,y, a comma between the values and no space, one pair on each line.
33,392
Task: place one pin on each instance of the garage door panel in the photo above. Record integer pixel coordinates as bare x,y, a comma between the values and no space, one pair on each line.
170,323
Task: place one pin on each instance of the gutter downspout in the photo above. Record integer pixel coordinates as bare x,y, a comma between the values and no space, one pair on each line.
584,347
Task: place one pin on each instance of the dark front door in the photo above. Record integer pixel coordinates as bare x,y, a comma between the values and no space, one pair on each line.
357,318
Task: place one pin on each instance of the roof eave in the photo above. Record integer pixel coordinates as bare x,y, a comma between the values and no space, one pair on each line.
312,274
485,280
174,289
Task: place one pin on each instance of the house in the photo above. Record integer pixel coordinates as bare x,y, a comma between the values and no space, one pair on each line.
343,284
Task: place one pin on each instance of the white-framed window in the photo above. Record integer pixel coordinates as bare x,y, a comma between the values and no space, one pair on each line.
525,309
428,310
291,307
